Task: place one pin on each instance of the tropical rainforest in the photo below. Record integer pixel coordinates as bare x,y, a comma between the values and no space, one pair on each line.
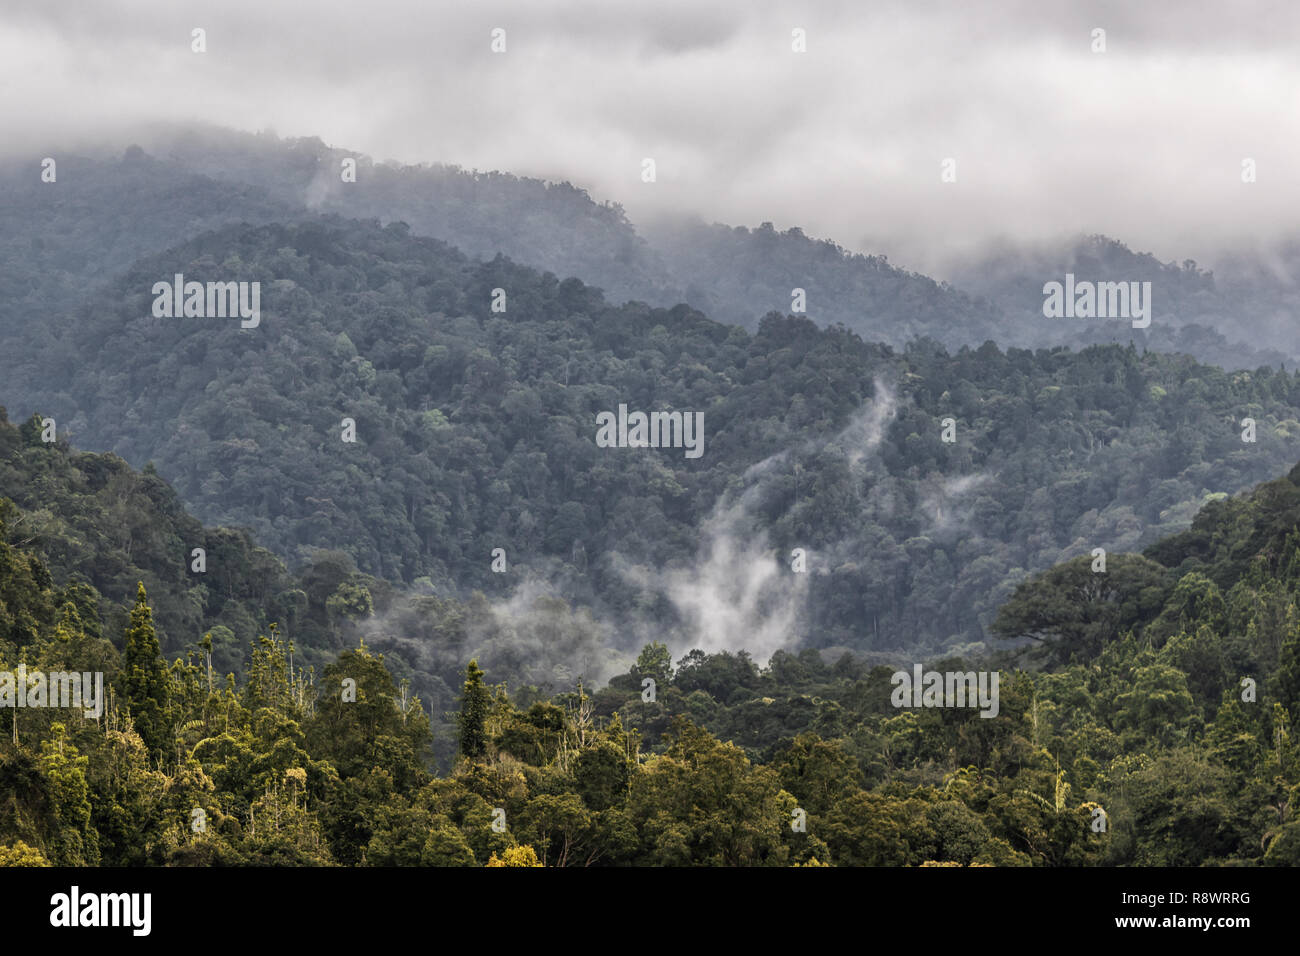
471,636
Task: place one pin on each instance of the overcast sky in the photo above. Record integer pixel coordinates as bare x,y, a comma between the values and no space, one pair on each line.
1144,142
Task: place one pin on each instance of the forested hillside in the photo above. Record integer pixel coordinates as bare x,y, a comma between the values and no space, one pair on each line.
1239,316
697,436
110,206
98,529
59,242
859,503
475,431
736,275
1161,703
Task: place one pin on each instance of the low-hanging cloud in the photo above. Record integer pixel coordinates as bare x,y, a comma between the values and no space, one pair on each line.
737,593
1143,142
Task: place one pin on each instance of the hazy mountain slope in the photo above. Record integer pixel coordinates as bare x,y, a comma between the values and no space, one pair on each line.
476,430
737,275
554,227
60,241
1246,316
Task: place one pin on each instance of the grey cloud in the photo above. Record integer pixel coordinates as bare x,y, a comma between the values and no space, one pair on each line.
1143,142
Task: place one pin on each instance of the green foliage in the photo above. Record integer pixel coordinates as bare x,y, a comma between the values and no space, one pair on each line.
516,856
476,424
1288,666
655,662
20,854
798,762
299,746
142,682
1077,611
473,712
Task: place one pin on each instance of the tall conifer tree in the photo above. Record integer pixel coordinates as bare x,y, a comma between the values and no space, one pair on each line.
473,712
144,683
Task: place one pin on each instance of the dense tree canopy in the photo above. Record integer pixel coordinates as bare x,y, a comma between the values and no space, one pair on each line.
476,636
1168,717
476,436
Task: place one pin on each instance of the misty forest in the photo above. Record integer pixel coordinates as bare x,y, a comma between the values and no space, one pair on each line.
365,590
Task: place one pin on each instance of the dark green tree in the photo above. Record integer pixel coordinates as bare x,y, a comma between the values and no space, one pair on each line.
1288,666
143,683
655,661
474,704
1076,611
